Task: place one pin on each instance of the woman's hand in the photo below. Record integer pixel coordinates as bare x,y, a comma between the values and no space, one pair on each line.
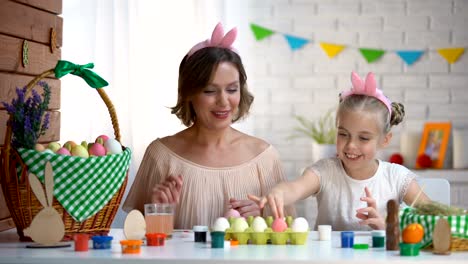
370,215
275,200
168,191
245,207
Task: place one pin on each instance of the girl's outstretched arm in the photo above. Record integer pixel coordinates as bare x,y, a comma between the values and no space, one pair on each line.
286,193
415,194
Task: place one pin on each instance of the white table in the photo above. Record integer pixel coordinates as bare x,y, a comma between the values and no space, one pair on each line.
182,249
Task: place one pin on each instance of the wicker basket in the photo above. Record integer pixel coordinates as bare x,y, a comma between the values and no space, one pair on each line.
458,223
23,205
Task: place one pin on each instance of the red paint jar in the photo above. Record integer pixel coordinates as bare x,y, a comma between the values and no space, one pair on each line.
155,239
81,242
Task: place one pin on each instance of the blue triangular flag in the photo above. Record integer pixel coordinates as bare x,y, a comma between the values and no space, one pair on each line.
410,56
295,42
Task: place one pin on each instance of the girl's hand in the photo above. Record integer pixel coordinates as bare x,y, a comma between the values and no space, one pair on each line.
370,215
245,207
167,191
275,200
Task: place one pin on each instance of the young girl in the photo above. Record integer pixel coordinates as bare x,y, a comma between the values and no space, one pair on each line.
352,189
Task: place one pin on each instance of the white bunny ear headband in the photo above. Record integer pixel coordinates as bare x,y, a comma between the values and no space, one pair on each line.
218,39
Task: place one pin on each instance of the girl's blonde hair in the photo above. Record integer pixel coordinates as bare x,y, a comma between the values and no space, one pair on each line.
358,102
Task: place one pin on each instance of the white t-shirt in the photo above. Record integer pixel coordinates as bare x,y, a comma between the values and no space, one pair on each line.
339,194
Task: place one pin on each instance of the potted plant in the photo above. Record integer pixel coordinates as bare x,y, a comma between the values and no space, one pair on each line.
322,132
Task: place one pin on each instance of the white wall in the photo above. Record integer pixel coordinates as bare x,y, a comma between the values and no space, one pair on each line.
307,82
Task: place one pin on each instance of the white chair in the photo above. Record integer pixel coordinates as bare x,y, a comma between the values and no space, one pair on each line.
437,189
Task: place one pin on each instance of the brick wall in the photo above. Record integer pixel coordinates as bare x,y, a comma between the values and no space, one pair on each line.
307,82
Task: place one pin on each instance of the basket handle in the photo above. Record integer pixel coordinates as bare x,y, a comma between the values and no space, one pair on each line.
62,68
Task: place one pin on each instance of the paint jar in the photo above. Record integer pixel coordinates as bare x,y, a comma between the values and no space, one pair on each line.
217,239
361,246
155,239
409,249
200,233
324,232
131,246
347,239
378,238
102,242
81,242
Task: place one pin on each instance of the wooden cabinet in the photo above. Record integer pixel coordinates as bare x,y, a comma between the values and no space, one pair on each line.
30,42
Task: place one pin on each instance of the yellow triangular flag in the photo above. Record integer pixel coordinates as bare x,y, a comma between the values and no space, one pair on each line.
451,54
331,49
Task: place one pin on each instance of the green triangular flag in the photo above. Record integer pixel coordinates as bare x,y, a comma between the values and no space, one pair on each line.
371,55
261,32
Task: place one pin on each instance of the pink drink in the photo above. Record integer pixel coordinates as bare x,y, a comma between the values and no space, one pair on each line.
159,218
160,223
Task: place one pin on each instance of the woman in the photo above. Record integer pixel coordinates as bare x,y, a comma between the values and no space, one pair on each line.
209,167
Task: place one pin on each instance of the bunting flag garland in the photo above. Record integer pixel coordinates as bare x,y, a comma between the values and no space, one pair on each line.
261,32
331,49
410,56
295,42
371,55
451,55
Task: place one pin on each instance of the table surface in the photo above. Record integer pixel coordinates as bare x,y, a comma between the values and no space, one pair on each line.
182,249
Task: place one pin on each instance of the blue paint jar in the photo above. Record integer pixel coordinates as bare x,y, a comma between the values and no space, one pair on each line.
347,239
102,242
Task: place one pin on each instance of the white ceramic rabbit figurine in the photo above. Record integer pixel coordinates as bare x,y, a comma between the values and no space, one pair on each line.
47,227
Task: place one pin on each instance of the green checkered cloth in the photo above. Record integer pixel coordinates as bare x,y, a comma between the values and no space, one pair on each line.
83,186
458,224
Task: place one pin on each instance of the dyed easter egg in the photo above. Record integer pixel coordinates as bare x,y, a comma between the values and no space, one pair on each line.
232,213
259,224
240,225
279,225
113,146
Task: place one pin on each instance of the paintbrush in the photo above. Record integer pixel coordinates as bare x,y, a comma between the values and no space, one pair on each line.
418,195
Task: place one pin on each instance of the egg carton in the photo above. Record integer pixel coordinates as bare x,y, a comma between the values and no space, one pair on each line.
268,236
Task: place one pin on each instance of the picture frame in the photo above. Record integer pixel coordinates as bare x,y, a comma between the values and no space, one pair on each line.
434,143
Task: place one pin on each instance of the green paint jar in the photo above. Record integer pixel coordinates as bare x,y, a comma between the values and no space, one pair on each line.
409,249
378,238
217,239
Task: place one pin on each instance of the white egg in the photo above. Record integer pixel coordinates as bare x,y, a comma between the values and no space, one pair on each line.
259,224
113,146
221,224
240,225
300,224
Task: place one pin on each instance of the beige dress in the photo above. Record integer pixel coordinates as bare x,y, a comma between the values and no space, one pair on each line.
205,191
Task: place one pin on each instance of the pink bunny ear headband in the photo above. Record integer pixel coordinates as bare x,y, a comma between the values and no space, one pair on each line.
218,39
369,88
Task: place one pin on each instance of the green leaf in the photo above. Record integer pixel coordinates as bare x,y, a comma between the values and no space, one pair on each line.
322,131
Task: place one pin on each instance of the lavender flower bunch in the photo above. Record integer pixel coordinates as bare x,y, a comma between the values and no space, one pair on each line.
28,121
